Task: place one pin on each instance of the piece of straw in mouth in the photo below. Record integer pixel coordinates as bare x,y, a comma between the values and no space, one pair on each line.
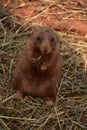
39,57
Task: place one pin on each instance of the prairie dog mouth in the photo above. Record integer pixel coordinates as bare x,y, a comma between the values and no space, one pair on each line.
41,56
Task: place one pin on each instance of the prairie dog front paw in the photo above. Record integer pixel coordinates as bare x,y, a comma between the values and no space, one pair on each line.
49,103
34,60
18,96
43,67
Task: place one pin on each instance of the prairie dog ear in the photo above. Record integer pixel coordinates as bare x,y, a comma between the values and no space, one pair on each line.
59,39
35,34
34,31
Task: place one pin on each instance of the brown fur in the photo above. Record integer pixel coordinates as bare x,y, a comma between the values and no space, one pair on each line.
39,66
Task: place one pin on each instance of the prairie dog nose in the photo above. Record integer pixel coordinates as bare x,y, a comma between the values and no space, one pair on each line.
44,50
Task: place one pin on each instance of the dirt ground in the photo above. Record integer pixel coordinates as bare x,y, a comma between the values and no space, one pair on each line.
59,15
69,21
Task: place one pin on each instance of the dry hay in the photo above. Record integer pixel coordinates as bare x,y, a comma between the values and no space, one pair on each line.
70,108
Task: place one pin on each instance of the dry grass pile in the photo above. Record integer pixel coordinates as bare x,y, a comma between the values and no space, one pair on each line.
70,108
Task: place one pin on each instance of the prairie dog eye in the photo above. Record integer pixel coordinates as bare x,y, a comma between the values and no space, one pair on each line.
38,38
52,39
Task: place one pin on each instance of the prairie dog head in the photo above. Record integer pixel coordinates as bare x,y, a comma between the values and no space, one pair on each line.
44,39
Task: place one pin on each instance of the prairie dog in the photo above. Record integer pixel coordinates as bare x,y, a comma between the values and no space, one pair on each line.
39,66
